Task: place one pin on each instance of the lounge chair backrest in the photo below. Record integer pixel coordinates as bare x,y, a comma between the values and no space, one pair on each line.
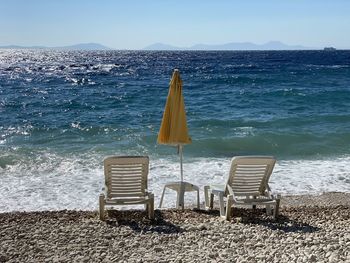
249,175
126,176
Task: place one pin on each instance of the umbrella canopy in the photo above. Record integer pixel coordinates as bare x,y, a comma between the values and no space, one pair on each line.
173,129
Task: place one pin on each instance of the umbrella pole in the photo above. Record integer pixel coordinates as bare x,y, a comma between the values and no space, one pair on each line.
181,194
181,170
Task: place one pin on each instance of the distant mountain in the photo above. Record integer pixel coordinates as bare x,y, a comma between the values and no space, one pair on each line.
22,47
277,45
161,46
272,45
85,46
82,46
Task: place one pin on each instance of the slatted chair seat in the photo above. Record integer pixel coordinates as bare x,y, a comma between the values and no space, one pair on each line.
126,183
247,185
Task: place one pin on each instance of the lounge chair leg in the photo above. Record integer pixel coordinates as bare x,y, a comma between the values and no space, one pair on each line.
222,205
209,197
277,207
151,207
268,210
229,203
206,196
101,200
211,201
254,206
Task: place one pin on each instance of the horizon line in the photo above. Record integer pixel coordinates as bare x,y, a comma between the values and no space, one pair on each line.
158,46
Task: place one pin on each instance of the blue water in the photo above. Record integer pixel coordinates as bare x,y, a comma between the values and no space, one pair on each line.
62,112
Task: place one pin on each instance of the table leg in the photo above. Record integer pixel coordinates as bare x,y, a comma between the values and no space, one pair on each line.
161,199
198,202
181,196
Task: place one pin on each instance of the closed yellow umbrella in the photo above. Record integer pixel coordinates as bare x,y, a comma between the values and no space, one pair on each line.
173,131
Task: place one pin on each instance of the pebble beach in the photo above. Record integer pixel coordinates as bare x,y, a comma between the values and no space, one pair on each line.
310,228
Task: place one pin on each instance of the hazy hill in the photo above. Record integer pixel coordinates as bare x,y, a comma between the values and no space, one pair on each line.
82,46
272,45
161,46
85,46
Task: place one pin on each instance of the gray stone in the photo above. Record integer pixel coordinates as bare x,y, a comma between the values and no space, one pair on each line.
158,249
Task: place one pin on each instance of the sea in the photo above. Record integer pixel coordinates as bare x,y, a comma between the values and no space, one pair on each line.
63,112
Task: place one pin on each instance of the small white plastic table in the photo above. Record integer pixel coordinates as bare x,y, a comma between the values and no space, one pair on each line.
180,188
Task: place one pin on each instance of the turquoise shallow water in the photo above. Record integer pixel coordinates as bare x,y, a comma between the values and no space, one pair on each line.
62,112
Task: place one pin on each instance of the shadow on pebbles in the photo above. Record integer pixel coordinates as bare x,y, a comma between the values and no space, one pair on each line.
317,232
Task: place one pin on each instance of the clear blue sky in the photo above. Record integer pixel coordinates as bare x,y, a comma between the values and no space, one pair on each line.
134,24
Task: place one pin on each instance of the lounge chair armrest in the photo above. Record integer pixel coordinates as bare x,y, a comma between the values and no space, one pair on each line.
268,188
272,194
148,192
231,193
229,189
269,191
276,196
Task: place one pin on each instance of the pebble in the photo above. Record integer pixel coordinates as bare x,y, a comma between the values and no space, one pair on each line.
158,249
303,233
312,258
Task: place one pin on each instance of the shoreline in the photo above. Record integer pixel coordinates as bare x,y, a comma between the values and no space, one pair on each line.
310,228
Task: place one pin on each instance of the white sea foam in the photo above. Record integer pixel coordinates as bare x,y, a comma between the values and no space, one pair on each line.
52,182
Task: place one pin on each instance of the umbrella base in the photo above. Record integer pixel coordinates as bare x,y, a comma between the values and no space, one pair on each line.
180,188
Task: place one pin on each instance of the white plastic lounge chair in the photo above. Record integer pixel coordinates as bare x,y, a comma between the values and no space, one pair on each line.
247,185
126,183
